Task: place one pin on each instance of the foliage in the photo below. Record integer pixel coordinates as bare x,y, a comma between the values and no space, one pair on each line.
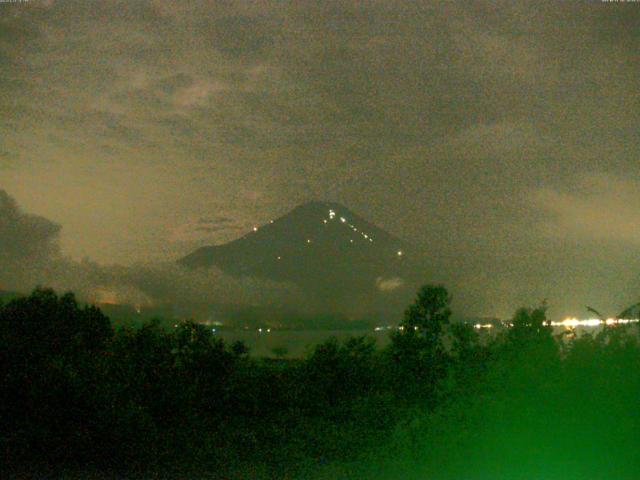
429,313
439,401
417,358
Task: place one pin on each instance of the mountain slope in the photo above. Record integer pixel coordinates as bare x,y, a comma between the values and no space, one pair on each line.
322,247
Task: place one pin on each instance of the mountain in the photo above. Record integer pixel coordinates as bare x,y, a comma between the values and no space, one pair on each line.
337,257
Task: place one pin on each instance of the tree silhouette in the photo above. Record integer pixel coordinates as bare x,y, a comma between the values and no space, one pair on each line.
530,326
429,313
280,352
419,357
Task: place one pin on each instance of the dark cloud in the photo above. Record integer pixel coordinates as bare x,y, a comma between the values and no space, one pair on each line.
24,237
29,257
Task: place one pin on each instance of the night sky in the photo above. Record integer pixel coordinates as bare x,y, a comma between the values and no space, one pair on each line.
500,137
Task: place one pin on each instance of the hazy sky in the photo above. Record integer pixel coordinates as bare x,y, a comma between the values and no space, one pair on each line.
500,136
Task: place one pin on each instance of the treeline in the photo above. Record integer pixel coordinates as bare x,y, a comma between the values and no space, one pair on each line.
80,398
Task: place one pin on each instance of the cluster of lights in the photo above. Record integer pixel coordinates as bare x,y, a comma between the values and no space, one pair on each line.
572,323
479,326
263,330
332,216
567,323
592,322
391,327
401,328
386,327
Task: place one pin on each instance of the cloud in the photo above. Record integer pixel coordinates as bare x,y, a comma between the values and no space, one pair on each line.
198,93
199,232
599,206
389,284
133,119
24,237
8,158
29,256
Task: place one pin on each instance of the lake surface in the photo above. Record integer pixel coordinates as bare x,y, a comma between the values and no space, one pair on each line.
297,342
300,342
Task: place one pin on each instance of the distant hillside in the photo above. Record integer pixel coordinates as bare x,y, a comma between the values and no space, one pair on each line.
333,254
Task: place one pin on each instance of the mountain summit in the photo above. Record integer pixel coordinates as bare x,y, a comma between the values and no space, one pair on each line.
322,247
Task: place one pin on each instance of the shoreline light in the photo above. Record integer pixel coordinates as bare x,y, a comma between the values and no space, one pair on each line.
592,322
478,326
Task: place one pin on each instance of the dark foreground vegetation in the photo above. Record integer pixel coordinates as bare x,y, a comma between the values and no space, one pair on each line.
82,400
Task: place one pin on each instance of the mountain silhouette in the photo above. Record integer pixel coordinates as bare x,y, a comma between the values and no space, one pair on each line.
331,253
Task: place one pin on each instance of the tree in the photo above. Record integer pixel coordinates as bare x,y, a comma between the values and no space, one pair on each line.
280,352
51,350
342,369
44,324
419,360
429,313
530,326
530,356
